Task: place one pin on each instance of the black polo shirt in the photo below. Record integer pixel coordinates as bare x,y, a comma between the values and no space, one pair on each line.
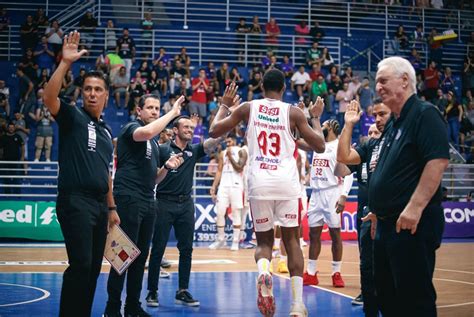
85,151
11,145
179,181
416,137
137,164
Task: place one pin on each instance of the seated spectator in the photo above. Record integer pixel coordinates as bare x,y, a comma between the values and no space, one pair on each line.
137,85
400,40
121,88
185,60
87,26
447,81
162,56
162,75
21,128
326,59
418,37
177,73
153,84
273,32
237,78
440,101
287,66
29,66
415,61
313,54
78,81
110,37
44,54
183,90
223,77
332,73
315,72
169,104
255,87
266,60
319,89
366,120
366,95
28,34
200,86
346,77
273,63
44,133
301,81
144,70
54,33
43,79
41,20
317,33
354,85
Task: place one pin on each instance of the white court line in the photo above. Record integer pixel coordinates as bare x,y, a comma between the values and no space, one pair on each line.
58,263
454,281
455,305
455,271
45,295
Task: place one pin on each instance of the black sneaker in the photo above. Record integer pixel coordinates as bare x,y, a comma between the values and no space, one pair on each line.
358,300
136,312
165,263
185,298
152,299
112,312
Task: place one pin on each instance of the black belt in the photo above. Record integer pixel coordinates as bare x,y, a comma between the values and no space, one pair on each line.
89,194
176,198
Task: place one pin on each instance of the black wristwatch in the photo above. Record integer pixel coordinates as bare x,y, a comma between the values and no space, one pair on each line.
167,168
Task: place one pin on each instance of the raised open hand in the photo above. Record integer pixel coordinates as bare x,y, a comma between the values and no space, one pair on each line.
353,112
178,104
236,102
316,109
70,45
229,94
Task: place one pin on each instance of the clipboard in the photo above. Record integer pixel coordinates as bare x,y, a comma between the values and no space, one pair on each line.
120,251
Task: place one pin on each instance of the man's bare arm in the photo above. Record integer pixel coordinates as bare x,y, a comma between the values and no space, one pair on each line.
345,153
240,164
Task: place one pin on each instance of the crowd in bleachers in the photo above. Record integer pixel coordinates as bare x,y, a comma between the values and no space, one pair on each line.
133,73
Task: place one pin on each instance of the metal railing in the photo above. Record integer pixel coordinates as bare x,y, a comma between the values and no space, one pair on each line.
38,181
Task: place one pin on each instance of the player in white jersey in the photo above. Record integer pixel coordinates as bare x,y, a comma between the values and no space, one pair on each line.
274,188
230,179
328,198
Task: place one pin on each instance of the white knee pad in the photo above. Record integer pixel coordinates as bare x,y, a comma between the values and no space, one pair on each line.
220,210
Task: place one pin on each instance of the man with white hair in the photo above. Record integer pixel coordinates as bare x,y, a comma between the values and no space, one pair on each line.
405,195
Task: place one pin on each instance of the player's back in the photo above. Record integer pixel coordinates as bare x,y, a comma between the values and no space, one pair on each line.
272,173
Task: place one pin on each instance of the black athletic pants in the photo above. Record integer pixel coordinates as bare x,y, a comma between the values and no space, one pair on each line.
404,265
176,212
83,220
137,218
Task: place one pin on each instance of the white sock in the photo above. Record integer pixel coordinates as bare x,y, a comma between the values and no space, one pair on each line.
311,269
220,234
297,288
301,241
263,266
336,266
236,236
282,258
276,243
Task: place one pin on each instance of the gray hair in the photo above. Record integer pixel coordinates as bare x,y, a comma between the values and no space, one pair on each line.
399,66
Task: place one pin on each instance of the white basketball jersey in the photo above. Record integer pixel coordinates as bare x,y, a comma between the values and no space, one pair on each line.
323,166
302,154
230,177
272,173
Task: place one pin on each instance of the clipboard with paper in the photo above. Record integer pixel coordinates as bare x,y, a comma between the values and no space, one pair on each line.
120,251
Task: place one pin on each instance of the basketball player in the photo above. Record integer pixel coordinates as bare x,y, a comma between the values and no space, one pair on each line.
229,178
327,201
274,188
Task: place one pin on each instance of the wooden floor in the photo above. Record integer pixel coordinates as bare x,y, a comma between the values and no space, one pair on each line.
454,275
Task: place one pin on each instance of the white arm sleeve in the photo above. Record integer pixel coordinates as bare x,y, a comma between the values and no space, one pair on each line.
348,180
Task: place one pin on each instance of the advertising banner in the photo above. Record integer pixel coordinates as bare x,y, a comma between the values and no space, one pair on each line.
38,221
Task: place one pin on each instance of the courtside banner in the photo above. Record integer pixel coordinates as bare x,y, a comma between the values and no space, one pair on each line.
29,219
459,219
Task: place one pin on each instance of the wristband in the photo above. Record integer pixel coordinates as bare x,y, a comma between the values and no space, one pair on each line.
111,208
166,167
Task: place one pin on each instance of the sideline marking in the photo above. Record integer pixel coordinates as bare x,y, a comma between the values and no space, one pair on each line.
455,305
455,271
45,295
58,263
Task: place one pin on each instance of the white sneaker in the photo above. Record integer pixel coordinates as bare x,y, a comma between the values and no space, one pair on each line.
218,244
303,243
235,246
298,309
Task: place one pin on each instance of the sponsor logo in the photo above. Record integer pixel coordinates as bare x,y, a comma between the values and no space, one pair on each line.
290,216
92,137
320,162
265,166
458,215
263,220
269,111
267,160
267,118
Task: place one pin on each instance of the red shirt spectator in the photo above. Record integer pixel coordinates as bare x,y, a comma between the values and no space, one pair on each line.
315,72
200,86
273,31
431,76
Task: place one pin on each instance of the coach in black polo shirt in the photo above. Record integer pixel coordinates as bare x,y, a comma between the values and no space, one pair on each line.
176,209
134,184
84,183
405,195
